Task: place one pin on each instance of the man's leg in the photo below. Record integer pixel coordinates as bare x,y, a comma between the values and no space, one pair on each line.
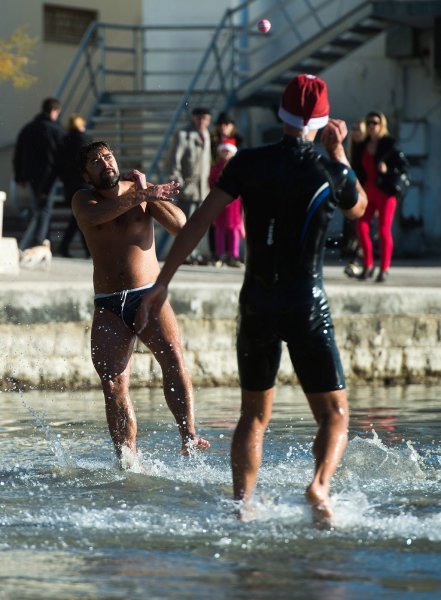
44,215
331,412
112,346
246,449
162,337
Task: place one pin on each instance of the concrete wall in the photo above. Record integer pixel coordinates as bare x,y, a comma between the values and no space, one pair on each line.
387,336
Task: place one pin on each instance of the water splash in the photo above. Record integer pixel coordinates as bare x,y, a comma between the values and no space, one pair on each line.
54,440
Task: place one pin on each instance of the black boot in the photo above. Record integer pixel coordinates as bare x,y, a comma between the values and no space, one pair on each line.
382,276
367,273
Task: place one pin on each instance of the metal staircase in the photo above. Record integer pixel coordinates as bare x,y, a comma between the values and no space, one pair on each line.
120,78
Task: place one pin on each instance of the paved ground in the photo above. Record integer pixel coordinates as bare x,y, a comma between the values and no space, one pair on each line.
405,273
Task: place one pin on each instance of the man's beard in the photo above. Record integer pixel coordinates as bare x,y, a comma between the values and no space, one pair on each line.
107,181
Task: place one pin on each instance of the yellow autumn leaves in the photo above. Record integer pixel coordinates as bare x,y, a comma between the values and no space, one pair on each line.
15,54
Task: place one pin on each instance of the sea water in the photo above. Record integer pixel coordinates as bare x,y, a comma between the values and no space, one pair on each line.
74,525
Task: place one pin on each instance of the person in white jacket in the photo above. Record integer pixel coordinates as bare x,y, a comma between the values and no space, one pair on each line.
190,162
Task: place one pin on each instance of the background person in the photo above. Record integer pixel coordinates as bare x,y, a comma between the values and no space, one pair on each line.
371,158
116,218
190,162
228,226
289,192
350,245
70,175
225,128
35,163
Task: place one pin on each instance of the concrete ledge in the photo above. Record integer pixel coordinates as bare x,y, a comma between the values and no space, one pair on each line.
9,257
382,348
385,334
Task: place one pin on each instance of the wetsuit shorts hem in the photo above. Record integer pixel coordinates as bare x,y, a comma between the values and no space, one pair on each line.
313,352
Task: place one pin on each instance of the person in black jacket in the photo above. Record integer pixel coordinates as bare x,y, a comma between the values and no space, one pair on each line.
71,177
375,161
35,163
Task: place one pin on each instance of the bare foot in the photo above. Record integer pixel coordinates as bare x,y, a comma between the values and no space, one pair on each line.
246,512
196,443
321,511
130,461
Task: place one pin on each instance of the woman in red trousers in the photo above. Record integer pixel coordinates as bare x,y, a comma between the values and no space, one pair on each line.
371,161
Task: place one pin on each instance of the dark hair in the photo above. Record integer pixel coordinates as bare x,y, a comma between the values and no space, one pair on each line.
50,104
200,111
224,119
87,149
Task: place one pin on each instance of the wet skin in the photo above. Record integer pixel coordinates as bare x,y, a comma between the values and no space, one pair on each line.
116,219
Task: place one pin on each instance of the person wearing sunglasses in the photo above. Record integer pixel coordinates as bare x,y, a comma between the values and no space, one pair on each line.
350,248
371,160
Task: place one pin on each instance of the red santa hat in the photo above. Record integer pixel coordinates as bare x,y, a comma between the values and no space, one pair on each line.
305,103
227,144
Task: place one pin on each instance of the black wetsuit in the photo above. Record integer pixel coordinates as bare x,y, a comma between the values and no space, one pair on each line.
289,194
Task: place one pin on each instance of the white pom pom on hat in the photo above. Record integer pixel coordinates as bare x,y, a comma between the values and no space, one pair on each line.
305,103
228,144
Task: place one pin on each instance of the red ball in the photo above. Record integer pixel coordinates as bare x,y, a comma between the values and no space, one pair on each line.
264,25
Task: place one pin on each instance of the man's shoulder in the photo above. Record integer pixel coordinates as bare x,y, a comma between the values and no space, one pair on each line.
186,132
83,195
340,173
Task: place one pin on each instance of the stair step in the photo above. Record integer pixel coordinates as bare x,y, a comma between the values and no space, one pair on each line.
125,133
155,117
369,29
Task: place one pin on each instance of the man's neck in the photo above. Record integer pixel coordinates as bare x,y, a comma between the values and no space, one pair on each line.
113,192
299,133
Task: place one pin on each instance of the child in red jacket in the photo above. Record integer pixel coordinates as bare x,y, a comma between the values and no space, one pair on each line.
229,227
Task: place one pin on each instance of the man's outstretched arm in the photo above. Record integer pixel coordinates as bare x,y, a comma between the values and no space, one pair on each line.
91,211
185,242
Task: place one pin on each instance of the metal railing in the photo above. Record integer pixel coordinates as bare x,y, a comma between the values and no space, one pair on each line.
139,58
238,52
127,58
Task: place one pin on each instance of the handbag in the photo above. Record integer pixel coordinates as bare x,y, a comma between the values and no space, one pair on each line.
396,180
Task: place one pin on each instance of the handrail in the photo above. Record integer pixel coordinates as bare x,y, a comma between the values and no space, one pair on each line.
184,103
91,65
235,55
303,20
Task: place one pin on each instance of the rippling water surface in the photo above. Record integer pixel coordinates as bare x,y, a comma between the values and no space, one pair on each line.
72,525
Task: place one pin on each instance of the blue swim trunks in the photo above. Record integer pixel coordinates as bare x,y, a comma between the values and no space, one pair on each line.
124,304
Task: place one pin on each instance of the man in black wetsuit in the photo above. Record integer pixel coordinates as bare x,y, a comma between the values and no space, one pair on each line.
289,195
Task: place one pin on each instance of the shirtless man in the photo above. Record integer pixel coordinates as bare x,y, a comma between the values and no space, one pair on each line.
116,219
289,194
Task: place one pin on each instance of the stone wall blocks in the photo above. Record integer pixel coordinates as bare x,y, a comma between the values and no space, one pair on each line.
394,362
425,331
362,362
434,361
415,363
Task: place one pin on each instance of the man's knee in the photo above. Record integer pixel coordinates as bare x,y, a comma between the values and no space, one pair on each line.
114,383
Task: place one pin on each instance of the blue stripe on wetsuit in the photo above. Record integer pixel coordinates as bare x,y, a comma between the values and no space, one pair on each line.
313,206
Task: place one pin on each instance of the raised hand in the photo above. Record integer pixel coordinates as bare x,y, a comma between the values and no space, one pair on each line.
138,178
332,138
164,191
151,302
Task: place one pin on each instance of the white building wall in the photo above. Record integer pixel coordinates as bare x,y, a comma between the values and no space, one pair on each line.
49,62
174,70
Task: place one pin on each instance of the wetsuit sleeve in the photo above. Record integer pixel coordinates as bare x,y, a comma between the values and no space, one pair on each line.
346,193
229,181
